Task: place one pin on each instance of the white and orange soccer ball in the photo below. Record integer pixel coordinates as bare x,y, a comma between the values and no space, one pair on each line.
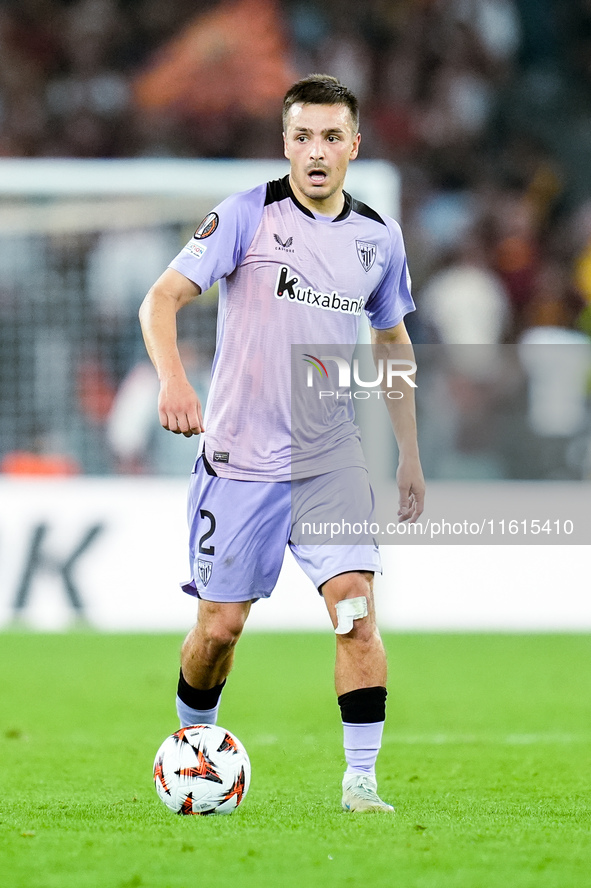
202,769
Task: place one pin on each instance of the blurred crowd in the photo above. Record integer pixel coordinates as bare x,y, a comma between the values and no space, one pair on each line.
483,105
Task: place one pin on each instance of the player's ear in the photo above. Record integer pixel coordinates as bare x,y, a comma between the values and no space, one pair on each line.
355,148
285,151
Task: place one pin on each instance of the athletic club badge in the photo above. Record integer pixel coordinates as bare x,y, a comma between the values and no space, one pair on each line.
367,253
204,568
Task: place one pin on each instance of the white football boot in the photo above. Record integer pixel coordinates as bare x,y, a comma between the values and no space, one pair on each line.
360,794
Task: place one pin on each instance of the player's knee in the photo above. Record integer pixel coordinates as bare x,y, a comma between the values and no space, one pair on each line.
349,585
213,637
223,634
350,600
224,628
220,626
354,619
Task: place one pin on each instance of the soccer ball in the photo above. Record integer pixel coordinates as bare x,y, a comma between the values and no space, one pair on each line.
202,769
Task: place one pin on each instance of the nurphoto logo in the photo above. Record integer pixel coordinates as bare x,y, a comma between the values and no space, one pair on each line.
348,372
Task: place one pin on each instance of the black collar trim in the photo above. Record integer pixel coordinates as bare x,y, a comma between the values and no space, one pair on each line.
280,189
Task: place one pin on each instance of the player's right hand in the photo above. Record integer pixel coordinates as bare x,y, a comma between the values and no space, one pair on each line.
179,408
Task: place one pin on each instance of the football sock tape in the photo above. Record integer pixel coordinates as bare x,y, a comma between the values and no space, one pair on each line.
197,698
363,705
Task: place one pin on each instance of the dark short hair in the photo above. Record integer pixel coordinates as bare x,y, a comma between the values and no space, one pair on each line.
321,89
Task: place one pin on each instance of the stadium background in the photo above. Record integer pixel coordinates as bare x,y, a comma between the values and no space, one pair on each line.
481,106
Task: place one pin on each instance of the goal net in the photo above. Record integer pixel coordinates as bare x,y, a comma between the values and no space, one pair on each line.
81,241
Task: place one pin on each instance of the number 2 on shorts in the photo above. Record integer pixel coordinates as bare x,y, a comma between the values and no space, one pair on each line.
207,550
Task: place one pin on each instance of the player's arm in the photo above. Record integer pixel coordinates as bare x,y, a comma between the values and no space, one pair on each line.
179,407
394,343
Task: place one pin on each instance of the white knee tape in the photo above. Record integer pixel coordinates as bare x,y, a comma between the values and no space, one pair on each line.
350,609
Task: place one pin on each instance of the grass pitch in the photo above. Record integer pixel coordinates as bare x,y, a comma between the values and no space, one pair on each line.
486,756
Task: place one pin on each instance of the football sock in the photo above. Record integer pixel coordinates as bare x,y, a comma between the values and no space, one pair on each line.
363,712
195,706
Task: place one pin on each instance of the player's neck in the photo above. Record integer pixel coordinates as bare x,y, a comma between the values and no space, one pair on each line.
329,207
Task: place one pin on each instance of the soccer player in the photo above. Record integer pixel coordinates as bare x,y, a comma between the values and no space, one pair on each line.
297,261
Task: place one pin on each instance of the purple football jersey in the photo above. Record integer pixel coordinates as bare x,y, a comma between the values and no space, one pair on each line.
288,278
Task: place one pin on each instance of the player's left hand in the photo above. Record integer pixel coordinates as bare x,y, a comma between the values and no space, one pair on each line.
411,490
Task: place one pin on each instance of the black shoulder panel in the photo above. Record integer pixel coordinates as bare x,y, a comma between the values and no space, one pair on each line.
277,190
363,210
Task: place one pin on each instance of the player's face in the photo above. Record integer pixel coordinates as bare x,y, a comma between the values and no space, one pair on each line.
319,142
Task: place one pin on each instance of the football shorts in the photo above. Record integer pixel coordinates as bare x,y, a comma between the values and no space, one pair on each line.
238,531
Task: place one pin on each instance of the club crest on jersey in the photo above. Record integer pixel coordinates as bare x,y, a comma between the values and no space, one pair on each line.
204,568
367,253
207,227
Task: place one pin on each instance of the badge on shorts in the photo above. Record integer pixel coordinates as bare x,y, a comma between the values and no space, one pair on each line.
204,568
207,227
